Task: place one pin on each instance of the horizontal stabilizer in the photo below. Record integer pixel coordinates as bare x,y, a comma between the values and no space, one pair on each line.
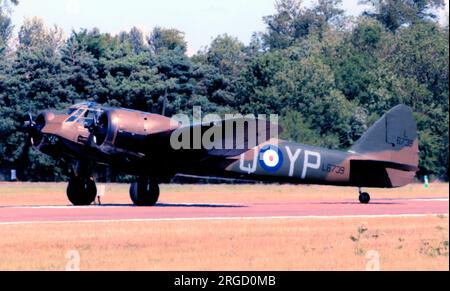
381,174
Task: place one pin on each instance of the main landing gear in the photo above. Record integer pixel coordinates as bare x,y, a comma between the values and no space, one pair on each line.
144,192
364,197
81,191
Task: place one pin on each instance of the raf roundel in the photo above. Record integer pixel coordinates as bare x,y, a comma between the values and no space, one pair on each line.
270,158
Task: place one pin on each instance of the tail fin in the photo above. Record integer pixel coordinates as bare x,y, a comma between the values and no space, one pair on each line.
392,143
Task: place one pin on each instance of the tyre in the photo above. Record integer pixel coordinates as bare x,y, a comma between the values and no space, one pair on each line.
81,191
144,192
364,198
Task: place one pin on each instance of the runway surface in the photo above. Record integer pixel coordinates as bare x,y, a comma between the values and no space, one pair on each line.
266,210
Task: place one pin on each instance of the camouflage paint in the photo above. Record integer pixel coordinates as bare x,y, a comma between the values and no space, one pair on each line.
138,143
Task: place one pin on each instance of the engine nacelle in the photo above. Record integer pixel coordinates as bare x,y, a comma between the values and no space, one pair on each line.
126,130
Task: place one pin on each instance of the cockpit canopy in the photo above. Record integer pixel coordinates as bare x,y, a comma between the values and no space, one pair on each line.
83,112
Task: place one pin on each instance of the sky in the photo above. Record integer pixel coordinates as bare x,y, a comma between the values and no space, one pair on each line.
200,20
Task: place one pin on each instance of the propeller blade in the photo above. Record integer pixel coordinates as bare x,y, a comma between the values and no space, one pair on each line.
28,122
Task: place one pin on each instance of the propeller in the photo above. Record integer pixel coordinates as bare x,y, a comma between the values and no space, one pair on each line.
28,126
28,122
33,127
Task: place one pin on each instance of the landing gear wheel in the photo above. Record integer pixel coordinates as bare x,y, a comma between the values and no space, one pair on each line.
364,198
81,191
144,192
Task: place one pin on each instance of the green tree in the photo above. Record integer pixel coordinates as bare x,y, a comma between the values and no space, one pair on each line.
131,81
167,39
420,59
293,22
227,54
135,38
396,13
6,29
220,66
81,69
34,82
4,3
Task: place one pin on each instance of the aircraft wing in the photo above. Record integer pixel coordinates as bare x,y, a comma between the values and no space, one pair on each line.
225,138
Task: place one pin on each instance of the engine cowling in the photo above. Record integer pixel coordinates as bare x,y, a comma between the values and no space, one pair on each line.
126,130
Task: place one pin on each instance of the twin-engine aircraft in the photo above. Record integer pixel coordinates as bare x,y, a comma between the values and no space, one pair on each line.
141,144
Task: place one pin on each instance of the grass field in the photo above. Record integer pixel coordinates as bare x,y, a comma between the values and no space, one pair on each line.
403,243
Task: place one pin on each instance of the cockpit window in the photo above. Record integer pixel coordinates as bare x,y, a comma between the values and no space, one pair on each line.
70,111
87,116
75,115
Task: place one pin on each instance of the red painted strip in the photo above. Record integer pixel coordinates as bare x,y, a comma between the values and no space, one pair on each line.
163,211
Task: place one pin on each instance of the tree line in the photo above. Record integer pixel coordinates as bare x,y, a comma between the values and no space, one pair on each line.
329,76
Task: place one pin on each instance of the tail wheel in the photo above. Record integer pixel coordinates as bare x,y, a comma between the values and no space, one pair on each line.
81,191
144,192
364,198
